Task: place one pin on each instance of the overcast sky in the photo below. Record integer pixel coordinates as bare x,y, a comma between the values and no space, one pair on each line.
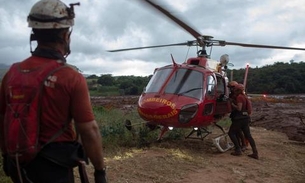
102,25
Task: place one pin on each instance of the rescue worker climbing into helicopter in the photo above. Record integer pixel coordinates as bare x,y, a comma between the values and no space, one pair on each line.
240,121
232,96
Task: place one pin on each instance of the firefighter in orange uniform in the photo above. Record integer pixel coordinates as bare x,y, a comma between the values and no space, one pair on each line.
65,102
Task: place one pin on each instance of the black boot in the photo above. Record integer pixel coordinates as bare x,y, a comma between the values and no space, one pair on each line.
254,154
237,152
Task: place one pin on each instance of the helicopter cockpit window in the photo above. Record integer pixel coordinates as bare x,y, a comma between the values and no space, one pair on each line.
210,86
156,82
186,82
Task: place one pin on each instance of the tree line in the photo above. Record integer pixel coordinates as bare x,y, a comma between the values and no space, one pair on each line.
278,78
106,84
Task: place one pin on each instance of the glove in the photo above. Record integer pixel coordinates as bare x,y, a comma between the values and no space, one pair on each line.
100,176
5,164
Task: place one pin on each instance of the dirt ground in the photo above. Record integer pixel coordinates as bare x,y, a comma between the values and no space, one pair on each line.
278,127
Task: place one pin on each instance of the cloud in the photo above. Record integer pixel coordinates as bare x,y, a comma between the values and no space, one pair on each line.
105,25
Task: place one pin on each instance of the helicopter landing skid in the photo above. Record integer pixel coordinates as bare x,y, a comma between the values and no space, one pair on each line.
201,133
222,143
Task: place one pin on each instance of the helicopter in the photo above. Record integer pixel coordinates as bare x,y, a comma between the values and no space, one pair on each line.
193,94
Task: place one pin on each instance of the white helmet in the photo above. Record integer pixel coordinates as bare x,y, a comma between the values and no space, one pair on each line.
51,14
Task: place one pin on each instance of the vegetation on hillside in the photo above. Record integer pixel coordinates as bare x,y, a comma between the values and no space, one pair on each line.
279,78
116,85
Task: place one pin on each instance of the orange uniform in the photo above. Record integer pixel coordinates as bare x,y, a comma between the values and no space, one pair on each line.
65,89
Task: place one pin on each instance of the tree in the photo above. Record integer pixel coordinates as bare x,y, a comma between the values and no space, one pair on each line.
106,80
92,77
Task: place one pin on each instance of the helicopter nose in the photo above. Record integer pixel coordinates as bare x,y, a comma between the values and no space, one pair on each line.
157,109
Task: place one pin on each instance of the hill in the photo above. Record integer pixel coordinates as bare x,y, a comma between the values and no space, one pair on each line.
279,78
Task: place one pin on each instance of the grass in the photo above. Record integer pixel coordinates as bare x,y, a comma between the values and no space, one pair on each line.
116,137
115,134
106,91
113,130
3,177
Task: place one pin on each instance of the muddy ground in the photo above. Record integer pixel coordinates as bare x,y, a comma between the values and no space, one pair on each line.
284,114
277,127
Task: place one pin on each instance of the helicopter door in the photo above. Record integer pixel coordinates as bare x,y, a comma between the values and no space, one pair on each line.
222,104
209,104
220,87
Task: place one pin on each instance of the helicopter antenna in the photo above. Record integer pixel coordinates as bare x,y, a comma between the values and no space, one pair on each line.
173,60
187,53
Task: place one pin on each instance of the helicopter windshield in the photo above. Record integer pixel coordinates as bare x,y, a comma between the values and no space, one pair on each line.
186,82
157,80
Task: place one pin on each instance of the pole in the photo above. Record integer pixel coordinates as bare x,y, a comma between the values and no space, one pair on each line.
246,75
231,77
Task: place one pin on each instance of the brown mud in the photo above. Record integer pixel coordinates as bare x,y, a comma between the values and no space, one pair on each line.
285,114
277,127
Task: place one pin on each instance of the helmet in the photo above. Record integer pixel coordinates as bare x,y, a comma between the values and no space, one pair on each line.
232,84
51,14
239,87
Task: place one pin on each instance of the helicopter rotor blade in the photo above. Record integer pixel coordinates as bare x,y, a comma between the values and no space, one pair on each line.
186,27
224,43
201,40
189,43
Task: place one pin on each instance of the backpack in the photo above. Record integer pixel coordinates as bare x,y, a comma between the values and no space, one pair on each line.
23,110
245,113
248,106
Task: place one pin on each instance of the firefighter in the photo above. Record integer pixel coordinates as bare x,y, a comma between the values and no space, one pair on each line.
241,122
232,97
65,102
